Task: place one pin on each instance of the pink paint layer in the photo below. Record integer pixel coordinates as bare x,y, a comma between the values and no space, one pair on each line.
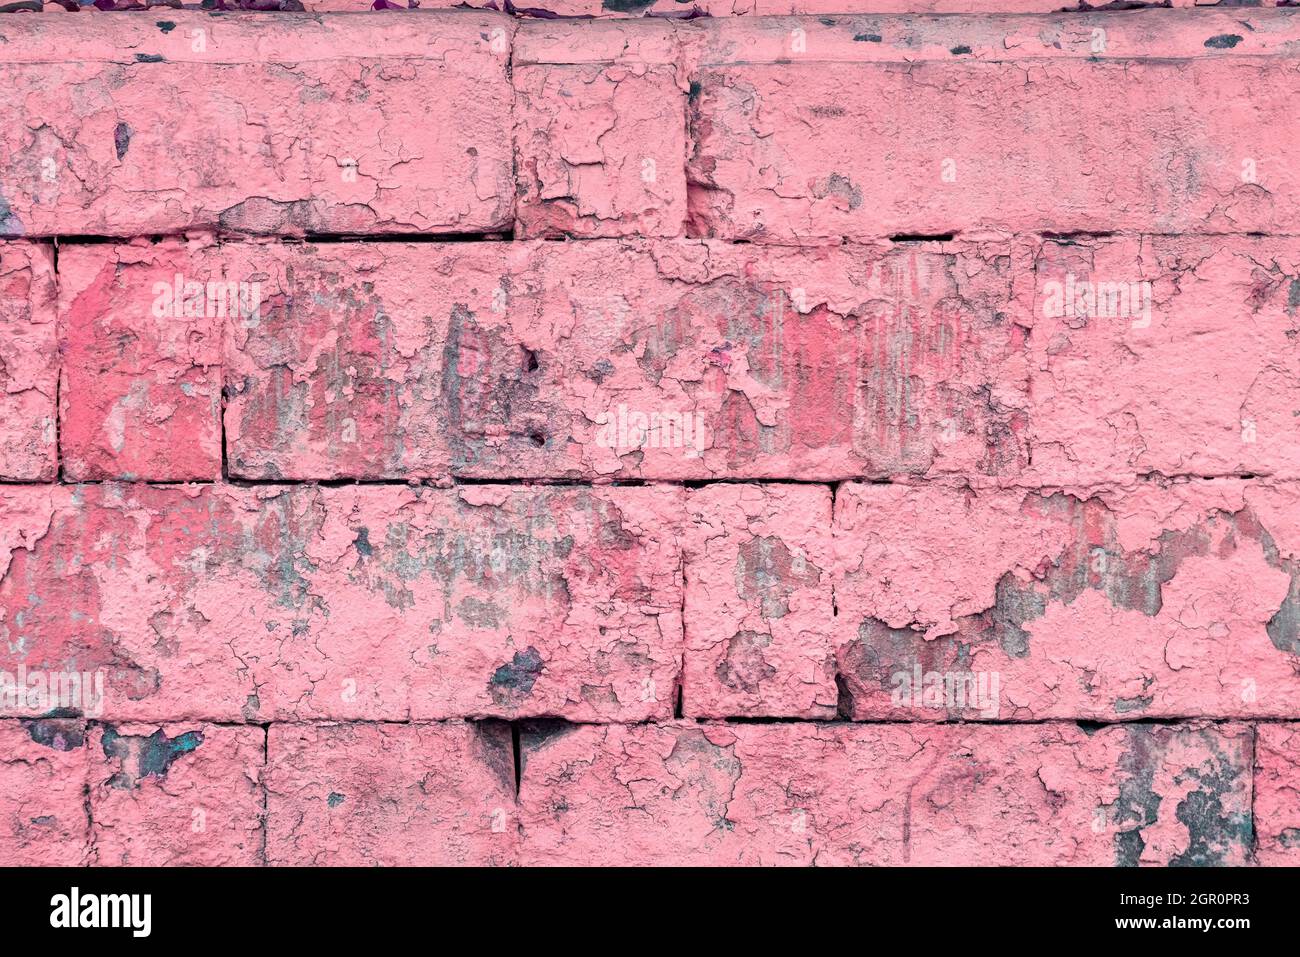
833,433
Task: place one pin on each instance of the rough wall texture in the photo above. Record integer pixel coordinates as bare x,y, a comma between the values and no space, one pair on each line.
645,432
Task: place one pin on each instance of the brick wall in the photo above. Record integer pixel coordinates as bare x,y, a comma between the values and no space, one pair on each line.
826,434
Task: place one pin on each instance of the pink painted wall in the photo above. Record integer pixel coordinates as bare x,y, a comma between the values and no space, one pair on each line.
923,390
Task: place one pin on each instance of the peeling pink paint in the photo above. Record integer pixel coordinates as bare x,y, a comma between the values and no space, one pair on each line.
409,794
259,125
1277,793
28,364
587,361
1149,602
1207,340
43,777
782,794
600,152
371,602
151,784
141,388
745,432
759,627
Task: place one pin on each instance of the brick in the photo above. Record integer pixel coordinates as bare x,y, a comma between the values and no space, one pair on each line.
364,124
600,128
141,387
563,602
1160,601
605,360
699,361
345,374
782,35
790,151
187,795
597,101
801,793
765,8
600,151
284,602
1277,794
390,794
43,819
675,9
1007,35
1173,355
758,613
29,366
748,9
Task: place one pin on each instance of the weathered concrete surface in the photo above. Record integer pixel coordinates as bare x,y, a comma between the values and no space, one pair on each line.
1277,794
815,141
600,152
167,795
29,363
373,602
257,124
1171,355
141,386
362,794
759,614
43,775
865,434
835,794
581,361
1158,601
